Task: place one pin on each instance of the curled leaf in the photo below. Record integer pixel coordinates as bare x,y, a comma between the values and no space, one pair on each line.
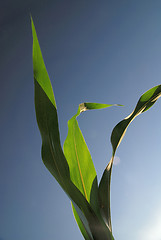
145,102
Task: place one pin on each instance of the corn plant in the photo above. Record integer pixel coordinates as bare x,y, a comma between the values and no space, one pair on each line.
72,166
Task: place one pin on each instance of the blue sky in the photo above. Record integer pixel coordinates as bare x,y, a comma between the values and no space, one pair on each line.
97,51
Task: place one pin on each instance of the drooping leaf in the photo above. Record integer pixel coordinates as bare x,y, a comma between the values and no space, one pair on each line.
145,102
52,154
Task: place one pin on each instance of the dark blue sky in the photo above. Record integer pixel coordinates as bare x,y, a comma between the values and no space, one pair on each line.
98,51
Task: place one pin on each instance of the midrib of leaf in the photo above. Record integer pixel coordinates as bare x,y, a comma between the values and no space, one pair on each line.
83,185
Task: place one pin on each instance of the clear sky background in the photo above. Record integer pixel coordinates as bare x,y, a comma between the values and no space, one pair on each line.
106,51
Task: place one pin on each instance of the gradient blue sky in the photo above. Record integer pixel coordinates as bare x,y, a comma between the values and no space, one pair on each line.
99,51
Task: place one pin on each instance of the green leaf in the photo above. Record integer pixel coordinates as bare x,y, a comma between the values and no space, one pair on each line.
81,225
52,154
47,120
40,72
145,102
80,163
104,197
82,170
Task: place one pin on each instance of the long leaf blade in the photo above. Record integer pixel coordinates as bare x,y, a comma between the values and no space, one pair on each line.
46,114
52,154
145,102
104,197
47,120
81,166
80,163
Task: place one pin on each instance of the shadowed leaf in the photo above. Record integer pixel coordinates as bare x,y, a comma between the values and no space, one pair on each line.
145,102
52,154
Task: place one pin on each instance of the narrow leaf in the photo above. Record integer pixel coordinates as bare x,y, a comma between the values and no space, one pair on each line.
82,171
40,72
80,163
145,102
52,154
47,120
82,227
104,197
46,114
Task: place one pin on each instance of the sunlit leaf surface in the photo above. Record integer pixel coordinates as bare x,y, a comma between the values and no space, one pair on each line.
81,166
53,157
73,168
